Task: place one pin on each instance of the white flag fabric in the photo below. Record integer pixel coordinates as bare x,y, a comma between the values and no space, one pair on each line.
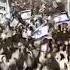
41,32
26,14
61,18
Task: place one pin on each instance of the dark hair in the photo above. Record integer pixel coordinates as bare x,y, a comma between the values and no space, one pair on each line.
45,40
62,56
59,26
31,28
61,7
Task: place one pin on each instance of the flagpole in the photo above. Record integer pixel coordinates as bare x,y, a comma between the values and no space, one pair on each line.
68,6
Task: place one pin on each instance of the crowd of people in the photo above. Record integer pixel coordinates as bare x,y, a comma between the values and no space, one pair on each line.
19,51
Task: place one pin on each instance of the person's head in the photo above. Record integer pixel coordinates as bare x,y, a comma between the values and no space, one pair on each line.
49,55
59,27
66,43
61,47
37,43
31,28
45,40
55,49
60,6
62,56
3,59
40,20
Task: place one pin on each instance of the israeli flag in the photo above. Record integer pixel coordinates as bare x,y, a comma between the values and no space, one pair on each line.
42,31
61,18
